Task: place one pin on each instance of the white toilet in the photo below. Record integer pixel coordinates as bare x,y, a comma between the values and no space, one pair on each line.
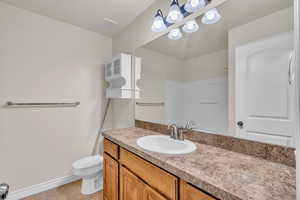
89,169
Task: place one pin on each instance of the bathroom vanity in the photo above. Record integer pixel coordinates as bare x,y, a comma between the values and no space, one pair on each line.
208,173
128,177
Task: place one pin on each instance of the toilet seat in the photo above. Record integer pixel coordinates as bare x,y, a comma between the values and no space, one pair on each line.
88,162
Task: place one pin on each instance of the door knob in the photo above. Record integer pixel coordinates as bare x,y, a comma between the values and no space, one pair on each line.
4,188
240,124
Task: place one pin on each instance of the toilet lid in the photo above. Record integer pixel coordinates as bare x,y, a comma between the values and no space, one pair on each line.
88,162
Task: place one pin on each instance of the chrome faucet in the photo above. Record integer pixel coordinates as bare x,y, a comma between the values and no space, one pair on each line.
177,133
174,131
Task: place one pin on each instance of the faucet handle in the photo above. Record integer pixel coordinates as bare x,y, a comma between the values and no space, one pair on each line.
190,125
170,126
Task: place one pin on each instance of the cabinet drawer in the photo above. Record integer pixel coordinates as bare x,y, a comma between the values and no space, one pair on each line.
189,192
157,178
111,148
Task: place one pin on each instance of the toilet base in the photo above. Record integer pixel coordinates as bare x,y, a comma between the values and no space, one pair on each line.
91,185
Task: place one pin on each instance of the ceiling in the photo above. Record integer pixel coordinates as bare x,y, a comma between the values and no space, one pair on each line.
88,14
211,38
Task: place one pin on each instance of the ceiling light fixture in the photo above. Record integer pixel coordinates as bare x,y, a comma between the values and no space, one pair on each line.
158,23
211,17
175,14
190,26
193,5
175,34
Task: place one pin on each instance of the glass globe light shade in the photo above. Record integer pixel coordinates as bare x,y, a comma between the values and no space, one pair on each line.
211,17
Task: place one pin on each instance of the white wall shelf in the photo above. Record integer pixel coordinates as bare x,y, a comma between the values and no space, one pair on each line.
119,75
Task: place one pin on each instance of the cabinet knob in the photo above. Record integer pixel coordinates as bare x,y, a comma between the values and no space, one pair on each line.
240,124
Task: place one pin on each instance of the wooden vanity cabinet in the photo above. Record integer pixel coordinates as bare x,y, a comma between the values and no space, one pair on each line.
111,178
160,180
189,192
130,177
151,194
111,148
133,188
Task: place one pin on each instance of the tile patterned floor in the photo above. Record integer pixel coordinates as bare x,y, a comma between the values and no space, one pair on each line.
69,191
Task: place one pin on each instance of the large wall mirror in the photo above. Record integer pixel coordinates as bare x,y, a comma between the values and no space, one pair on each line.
234,77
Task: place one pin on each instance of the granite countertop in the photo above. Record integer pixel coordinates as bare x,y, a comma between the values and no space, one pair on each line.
225,174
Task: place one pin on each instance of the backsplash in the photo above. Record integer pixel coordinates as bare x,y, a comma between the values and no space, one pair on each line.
274,153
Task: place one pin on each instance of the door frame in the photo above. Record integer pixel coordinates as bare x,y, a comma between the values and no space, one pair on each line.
297,66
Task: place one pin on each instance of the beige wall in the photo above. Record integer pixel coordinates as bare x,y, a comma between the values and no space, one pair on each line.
278,22
43,60
206,66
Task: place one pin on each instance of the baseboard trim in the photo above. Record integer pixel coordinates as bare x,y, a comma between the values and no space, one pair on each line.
35,189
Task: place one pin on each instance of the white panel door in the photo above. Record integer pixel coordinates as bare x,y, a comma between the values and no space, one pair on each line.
265,91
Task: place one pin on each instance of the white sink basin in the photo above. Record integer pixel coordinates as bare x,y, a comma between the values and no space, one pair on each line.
165,144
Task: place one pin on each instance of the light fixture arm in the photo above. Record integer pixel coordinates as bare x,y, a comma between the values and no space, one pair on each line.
159,13
175,2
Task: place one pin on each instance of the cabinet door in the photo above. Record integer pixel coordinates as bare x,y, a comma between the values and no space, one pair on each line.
151,194
131,188
111,178
188,192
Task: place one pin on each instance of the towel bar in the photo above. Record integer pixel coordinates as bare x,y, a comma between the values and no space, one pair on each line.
150,104
39,105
